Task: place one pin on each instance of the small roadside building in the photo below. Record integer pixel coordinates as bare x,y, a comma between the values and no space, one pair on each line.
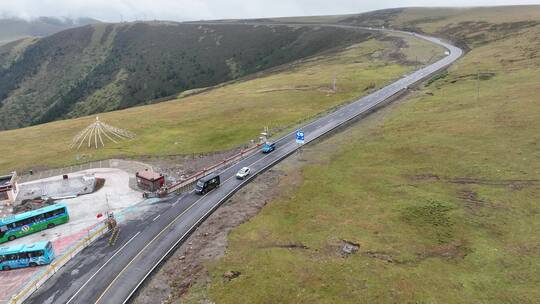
149,180
8,189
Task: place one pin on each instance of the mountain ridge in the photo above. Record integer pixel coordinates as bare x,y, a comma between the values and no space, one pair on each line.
15,28
104,67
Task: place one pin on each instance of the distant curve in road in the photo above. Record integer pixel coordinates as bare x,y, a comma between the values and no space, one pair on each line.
103,274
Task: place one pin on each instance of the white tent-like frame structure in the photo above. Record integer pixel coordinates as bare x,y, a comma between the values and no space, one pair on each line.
94,134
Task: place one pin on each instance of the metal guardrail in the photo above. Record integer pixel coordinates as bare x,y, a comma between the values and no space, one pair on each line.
181,186
41,277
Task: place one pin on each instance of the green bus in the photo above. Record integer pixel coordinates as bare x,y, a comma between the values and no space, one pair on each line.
19,225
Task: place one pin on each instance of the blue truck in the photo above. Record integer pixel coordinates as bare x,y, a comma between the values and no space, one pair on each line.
268,147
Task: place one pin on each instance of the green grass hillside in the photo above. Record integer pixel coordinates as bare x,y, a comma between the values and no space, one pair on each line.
105,67
227,116
469,26
440,192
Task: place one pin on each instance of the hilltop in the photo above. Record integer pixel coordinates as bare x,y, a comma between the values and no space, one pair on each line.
104,67
16,28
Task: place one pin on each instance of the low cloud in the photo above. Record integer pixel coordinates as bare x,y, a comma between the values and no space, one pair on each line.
181,10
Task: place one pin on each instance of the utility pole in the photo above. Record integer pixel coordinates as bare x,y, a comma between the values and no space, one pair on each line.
334,84
477,85
107,202
265,134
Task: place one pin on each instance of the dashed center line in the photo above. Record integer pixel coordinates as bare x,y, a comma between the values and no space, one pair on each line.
102,266
156,218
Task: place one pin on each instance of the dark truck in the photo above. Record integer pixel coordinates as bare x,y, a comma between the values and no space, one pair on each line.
207,183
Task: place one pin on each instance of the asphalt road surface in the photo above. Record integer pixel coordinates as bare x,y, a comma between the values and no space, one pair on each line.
112,274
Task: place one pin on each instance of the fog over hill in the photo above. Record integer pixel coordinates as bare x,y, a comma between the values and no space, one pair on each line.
186,10
13,28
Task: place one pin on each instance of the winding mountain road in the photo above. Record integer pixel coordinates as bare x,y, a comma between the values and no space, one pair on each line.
103,274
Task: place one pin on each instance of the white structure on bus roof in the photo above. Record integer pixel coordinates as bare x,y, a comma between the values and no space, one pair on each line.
96,134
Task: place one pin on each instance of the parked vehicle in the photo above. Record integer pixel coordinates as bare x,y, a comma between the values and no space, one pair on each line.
32,221
19,256
207,183
268,147
242,173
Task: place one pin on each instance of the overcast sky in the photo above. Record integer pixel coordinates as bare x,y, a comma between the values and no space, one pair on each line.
181,10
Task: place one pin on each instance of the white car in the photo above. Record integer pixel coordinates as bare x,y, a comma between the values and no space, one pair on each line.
242,173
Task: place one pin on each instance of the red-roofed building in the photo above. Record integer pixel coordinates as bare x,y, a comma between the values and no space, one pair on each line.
149,180
8,189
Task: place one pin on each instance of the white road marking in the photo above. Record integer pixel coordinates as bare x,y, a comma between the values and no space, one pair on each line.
163,230
144,248
188,231
156,217
102,266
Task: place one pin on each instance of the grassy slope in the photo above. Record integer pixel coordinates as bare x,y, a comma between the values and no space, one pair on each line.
12,51
219,119
441,194
105,67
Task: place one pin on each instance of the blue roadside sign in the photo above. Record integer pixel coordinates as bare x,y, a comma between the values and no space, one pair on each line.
300,137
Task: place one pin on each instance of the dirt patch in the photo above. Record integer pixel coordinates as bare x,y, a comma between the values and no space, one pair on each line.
426,177
451,251
474,204
32,204
472,201
186,266
229,275
394,54
295,88
471,196
525,249
384,256
100,182
513,184
478,76
288,246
